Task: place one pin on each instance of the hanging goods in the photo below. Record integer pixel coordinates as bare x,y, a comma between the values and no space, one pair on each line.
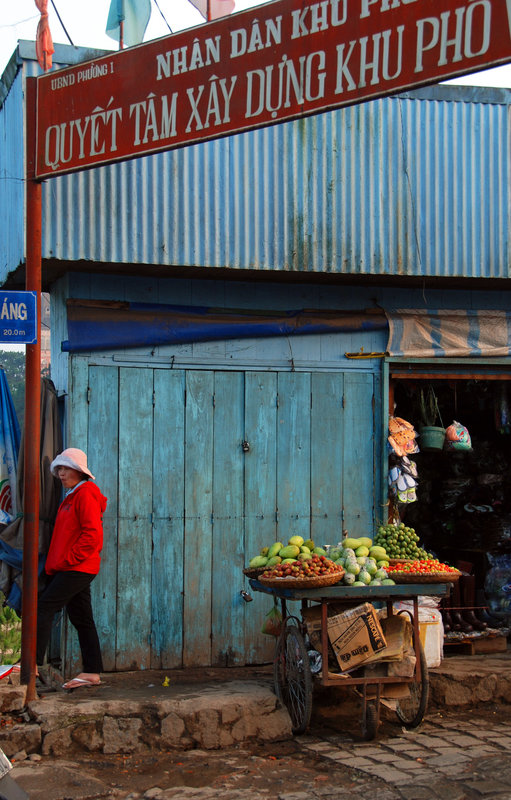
457,437
432,436
402,437
273,622
403,481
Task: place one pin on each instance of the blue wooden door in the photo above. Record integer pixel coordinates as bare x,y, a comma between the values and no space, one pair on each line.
202,468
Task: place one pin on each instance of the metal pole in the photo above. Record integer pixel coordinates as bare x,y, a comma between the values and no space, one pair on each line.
32,409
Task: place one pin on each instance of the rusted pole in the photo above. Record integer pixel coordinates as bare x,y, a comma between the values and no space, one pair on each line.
32,409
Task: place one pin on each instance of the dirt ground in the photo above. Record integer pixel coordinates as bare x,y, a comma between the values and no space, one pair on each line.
276,769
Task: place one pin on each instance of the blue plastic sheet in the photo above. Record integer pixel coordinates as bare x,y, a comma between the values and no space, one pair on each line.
100,325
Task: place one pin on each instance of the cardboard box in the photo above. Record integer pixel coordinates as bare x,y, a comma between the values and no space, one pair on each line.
355,634
397,631
312,618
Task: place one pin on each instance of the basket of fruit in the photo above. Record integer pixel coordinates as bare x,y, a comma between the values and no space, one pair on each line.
297,549
253,572
424,571
314,572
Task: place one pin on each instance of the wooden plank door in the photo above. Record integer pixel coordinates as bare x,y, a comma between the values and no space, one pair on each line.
134,581
260,496
168,470
189,504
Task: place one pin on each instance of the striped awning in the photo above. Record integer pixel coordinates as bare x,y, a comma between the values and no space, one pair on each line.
426,333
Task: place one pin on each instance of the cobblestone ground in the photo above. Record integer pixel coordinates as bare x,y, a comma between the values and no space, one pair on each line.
451,756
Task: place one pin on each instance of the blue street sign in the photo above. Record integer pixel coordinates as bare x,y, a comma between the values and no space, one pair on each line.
18,317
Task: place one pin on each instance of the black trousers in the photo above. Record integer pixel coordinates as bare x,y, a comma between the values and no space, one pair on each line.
69,590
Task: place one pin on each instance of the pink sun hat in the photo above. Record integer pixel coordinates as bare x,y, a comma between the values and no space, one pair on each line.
73,458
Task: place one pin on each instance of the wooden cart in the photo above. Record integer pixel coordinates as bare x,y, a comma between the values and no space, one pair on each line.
292,673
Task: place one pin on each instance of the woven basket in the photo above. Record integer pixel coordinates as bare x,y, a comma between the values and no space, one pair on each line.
303,583
253,572
421,577
400,560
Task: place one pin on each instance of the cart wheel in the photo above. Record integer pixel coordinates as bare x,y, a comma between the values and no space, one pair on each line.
410,710
370,721
292,676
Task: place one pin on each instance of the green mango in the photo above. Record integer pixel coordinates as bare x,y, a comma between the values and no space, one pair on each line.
352,544
297,540
290,551
365,541
310,544
319,551
275,549
258,561
273,561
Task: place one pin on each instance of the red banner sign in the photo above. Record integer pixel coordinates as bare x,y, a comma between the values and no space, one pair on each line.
275,62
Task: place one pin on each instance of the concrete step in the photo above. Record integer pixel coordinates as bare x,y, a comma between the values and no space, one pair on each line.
119,719
143,711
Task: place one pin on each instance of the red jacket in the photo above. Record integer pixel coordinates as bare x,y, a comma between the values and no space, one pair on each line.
77,538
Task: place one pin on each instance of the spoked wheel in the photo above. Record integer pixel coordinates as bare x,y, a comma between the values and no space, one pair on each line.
292,676
410,710
370,720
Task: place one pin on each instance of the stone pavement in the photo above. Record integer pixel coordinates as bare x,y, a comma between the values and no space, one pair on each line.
453,756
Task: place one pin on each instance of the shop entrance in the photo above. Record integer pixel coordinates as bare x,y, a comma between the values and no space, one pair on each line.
463,508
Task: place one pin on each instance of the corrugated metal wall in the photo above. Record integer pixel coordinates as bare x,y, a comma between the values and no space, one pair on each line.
410,185
398,186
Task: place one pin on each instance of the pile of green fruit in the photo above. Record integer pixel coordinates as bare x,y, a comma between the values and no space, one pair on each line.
400,541
364,562
297,549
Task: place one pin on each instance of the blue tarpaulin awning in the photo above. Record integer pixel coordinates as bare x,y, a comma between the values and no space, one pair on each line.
100,325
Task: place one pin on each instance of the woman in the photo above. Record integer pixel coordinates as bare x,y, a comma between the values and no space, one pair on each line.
72,563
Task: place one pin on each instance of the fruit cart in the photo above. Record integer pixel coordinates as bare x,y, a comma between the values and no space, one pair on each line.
291,667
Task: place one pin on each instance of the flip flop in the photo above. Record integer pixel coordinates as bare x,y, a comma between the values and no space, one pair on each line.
79,683
16,668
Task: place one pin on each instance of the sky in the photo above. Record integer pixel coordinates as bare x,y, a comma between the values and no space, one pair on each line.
85,23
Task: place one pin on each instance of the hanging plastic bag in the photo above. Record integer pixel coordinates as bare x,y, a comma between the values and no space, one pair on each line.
457,437
272,622
497,586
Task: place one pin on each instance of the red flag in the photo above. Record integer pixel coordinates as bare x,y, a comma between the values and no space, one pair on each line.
212,9
44,43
